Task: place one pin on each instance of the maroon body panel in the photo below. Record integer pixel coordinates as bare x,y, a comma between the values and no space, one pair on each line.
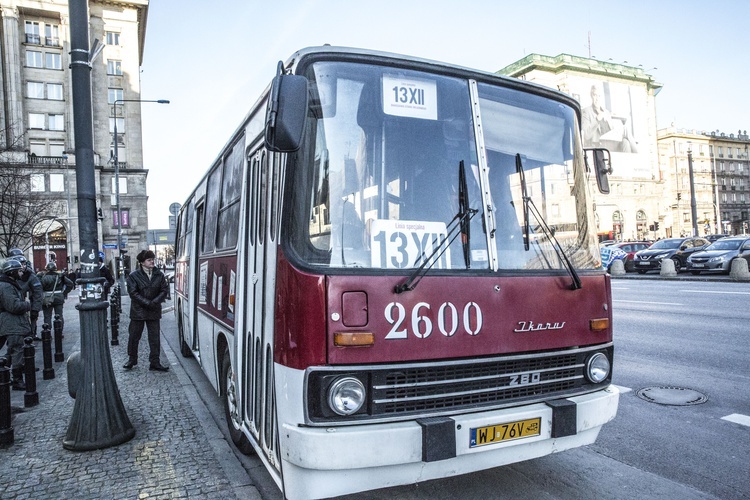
459,317
443,318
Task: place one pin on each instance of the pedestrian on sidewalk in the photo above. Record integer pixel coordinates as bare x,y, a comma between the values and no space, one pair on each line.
56,287
31,289
105,273
14,322
148,288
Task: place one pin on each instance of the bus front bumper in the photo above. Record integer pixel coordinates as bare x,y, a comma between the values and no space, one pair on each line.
333,461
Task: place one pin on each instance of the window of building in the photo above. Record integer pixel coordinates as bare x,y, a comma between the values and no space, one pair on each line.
123,185
56,183
114,95
55,91
34,59
56,149
57,122
710,150
685,217
35,90
723,197
114,67
52,60
113,38
37,183
721,166
120,127
32,32
36,120
721,150
38,148
51,35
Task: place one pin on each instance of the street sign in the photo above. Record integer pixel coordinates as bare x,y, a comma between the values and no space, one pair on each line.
109,245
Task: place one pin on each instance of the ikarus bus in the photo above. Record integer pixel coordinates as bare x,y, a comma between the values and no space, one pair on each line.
391,274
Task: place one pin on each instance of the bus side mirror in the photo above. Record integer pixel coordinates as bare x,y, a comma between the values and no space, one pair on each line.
602,167
286,112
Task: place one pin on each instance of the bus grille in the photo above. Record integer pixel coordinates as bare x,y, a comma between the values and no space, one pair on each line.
449,387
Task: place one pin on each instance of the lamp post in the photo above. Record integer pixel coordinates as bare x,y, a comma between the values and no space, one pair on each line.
693,203
120,266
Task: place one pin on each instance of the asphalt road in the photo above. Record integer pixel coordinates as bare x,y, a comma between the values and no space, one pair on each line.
674,339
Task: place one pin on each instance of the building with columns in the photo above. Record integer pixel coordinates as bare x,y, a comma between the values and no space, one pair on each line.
618,113
36,122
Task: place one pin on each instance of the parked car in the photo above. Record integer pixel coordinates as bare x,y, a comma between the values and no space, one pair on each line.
630,248
719,255
677,249
714,237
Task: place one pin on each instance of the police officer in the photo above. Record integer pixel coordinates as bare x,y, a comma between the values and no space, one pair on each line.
14,322
56,287
31,289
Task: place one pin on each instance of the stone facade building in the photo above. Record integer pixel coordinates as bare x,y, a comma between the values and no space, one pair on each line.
651,193
36,122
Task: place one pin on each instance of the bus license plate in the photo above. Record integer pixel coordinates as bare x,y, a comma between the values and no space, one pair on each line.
492,434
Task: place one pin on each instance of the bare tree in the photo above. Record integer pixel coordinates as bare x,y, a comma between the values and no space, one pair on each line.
21,206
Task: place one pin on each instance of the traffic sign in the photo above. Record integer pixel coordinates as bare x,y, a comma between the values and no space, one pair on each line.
109,245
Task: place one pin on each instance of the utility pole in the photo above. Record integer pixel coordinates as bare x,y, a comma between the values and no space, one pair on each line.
99,419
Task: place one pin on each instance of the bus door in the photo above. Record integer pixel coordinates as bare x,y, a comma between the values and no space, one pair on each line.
191,325
259,288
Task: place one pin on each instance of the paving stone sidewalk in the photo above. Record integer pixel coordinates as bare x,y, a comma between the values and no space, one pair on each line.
177,451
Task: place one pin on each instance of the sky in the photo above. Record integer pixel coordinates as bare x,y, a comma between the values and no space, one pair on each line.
212,60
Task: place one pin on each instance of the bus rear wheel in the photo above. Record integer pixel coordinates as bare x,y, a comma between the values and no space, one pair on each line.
231,408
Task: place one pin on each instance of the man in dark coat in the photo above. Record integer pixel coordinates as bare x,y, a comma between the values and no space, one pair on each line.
31,289
105,273
14,322
148,288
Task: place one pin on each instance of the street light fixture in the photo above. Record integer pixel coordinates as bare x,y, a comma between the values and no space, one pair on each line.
121,267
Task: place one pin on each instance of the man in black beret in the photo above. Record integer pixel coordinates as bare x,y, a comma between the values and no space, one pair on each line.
148,288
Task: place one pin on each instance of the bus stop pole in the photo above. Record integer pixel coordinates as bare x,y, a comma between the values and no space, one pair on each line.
99,419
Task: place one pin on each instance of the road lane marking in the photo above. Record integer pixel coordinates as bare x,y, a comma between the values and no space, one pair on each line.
715,291
738,419
644,302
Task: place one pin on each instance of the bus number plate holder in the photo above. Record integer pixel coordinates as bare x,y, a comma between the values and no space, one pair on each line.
510,431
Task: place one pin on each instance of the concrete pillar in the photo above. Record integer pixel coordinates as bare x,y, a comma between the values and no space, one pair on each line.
739,270
667,268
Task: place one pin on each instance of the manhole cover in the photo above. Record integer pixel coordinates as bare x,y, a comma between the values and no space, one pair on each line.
672,396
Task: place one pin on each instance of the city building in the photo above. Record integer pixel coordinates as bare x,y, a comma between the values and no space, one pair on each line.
720,179
618,113
36,122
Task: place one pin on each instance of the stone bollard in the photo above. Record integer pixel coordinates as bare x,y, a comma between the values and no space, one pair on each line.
667,268
6,427
617,268
59,356
114,320
739,270
31,397
49,372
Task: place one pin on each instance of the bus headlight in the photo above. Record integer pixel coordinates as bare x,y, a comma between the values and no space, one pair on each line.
597,368
346,396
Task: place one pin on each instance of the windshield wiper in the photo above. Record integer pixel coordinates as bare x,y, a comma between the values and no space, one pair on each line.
459,224
525,199
528,202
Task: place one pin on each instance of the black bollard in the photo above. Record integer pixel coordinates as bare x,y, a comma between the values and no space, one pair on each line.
59,356
114,321
6,429
31,397
49,371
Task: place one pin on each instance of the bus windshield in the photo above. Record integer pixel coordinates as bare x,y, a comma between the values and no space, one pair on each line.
401,167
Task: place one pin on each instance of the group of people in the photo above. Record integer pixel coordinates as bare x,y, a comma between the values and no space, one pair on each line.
24,294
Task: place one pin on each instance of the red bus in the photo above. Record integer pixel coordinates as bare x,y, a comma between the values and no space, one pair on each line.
391,274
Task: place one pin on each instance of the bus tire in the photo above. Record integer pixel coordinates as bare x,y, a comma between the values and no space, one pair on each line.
184,347
231,411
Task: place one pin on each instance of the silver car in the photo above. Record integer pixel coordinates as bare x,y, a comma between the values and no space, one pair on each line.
719,255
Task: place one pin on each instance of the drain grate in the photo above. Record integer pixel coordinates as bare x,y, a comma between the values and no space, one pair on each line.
672,396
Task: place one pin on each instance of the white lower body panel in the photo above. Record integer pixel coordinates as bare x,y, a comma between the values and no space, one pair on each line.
322,462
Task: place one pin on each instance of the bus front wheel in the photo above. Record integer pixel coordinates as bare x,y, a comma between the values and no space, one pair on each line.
231,408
